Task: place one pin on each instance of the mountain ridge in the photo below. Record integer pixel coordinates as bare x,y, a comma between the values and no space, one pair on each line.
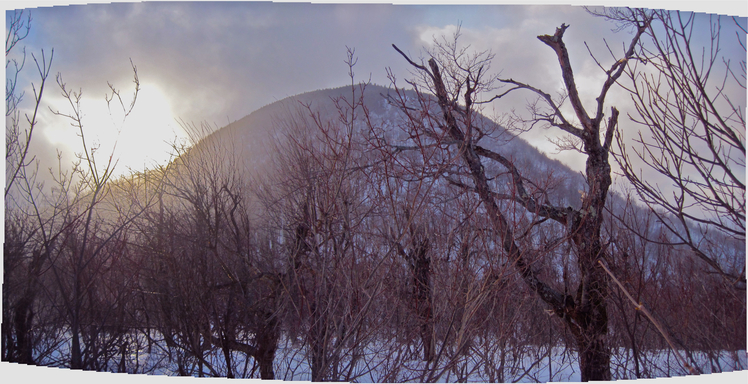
254,138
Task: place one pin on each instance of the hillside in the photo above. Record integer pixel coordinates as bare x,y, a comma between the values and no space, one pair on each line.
355,253
254,138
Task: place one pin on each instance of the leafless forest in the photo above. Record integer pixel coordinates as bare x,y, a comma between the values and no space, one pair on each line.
396,233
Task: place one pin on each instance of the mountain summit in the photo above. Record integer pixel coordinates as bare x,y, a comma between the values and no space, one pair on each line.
255,138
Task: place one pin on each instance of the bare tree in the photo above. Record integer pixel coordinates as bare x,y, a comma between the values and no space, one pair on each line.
64,242
329,281
214,292
18,141
86,237
690,102
453,76
47,227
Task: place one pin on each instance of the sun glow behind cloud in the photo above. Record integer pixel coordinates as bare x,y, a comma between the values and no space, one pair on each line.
142,139
146,136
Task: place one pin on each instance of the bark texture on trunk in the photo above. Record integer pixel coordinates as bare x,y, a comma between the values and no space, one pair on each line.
585,313
422,284
267,343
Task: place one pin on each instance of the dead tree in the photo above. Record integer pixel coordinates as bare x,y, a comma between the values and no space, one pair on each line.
585,313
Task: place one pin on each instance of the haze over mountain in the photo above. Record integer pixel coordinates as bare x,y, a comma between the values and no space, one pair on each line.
255,138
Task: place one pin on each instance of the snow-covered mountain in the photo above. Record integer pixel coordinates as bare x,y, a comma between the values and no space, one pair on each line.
254,138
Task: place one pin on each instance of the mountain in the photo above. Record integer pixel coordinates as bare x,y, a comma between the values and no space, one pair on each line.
254,138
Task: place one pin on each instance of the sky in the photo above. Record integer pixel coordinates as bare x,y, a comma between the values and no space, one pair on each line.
217,62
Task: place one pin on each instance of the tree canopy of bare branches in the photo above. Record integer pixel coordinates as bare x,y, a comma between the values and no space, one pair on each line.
690,104
454,77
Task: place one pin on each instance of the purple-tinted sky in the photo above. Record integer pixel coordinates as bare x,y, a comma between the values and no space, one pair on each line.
217,62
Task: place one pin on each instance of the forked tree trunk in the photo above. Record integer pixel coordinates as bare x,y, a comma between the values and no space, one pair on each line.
590,308
227,357
586,314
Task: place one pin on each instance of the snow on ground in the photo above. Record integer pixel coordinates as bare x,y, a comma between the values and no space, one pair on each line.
394,361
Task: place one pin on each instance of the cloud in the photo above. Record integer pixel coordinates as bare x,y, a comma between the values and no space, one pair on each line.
217,62
519,55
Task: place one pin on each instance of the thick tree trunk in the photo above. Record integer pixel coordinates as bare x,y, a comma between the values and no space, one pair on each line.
267,343
422,284
588,319
76,360
265,359
594,358
23,319
588,322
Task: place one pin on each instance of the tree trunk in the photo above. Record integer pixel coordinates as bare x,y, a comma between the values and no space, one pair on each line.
318,352
594,358
267,343
589,325
76,361
227,357
422,284
23,319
